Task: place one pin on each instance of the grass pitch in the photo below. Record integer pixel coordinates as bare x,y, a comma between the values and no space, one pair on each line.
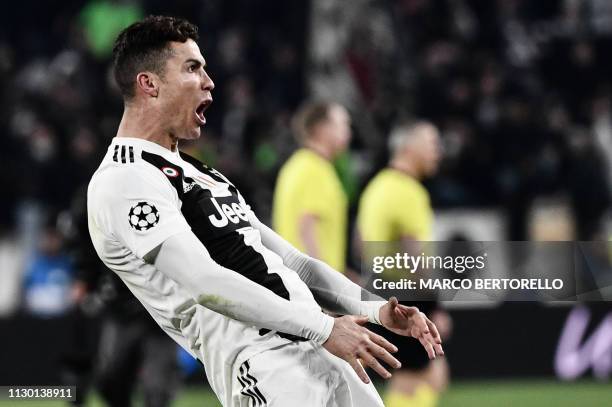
533,393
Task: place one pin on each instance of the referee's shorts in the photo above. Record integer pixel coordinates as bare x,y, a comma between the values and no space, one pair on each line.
410,351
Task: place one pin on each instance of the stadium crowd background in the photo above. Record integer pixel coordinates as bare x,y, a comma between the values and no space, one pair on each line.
521,91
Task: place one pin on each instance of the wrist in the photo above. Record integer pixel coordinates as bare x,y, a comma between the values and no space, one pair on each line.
371,309
324,329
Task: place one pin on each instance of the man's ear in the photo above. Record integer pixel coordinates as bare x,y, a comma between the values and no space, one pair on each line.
319,131
148,83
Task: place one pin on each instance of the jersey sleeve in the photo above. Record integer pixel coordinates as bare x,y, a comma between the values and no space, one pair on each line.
137,207
331,289
184,259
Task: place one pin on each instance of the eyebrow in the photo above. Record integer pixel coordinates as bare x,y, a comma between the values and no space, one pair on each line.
196,61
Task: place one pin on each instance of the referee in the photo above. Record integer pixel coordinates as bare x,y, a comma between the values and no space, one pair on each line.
310,205
395,207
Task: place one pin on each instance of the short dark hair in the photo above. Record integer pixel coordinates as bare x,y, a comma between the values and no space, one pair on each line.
143,46
308,116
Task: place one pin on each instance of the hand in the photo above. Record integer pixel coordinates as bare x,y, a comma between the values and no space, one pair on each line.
409,321
350,341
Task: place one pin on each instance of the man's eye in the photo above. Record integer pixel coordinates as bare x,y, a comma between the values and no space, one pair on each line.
192,68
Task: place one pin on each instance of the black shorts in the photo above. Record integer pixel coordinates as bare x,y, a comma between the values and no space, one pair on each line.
410,351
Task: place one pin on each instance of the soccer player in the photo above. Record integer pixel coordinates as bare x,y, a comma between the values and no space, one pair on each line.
395,207
310,206
224,286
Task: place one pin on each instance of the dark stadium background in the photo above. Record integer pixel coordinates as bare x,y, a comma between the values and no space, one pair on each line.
521,91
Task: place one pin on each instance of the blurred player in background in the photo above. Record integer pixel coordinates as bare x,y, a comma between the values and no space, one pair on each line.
394,207
227,288
310,206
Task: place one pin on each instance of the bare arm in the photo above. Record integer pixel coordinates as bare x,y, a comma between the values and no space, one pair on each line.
307,232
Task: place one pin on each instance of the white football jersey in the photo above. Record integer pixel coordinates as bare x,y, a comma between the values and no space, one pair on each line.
141,195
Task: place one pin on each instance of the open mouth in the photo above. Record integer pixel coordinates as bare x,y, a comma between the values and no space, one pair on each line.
199,112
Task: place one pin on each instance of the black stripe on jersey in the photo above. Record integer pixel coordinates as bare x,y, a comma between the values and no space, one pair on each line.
254,380
249,385
205,169
293,338
123,155
224,241
247,392
160,162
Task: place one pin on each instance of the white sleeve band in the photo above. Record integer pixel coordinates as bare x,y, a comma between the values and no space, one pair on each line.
372,310
185,260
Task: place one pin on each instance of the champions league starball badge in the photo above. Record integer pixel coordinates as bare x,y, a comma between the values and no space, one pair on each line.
143,216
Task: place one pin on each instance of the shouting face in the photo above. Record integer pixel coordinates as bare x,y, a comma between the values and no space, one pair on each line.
185,90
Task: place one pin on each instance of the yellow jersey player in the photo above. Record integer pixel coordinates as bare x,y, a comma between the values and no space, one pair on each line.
395,207
310,206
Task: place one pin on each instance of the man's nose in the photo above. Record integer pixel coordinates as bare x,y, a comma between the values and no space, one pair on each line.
207,83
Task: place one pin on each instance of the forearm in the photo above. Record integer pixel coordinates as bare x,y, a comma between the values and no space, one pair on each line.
307,233
332,290
185,260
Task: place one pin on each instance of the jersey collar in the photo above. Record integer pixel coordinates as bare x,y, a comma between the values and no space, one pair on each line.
145,145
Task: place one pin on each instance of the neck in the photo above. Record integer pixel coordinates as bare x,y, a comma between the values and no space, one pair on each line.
144,123
408,167
319,148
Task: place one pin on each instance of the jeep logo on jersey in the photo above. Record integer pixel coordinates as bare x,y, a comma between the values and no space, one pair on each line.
227,212
143,216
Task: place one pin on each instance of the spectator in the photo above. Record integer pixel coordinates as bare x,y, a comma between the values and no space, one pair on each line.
48,278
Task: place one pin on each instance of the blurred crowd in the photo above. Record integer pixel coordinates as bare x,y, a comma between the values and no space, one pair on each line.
519,89
61,107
